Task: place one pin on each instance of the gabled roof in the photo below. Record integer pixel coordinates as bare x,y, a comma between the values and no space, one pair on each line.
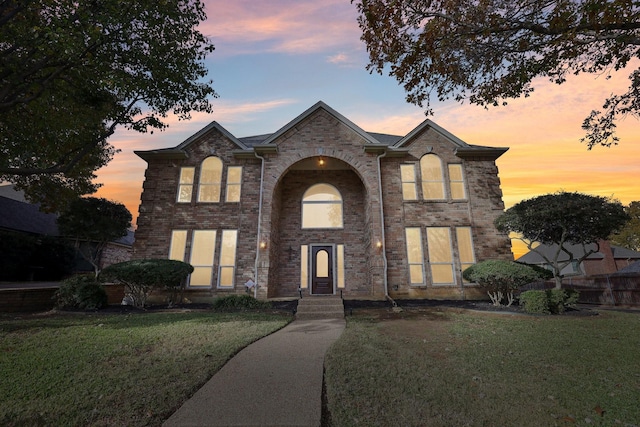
633,268
26,218
310,111
179,152
533,257
462,149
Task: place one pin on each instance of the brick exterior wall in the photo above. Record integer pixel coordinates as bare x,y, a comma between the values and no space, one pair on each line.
288,174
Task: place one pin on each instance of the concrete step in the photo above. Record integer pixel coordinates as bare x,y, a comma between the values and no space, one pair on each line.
320,308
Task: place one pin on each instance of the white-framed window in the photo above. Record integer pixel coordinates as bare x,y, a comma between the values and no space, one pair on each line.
185,184
456,182
203,247
178,245
304,266
415,258
440,255
234,184
227,267
465,247
408,177
322,207
340,265
432,177
210,180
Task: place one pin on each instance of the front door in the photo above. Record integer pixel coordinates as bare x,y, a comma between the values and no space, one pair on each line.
322,270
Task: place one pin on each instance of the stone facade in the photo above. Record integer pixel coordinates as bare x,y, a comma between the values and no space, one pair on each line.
367,260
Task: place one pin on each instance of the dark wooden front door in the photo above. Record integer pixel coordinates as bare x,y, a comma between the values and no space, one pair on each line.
322,270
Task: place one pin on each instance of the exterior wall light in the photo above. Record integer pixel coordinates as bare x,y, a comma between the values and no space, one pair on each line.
321,161
263,245
379,244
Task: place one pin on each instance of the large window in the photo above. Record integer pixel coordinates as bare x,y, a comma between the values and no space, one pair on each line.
408,175
413,236
440,255
178,245
185,186
202,254
432,177
322,207
227,258
234,183
210,180
456,182
465,247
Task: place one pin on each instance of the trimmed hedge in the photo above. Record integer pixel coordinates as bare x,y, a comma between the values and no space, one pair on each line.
550,301
238,302
81,292
142,276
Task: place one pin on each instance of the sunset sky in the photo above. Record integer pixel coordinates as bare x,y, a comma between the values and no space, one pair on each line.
275,59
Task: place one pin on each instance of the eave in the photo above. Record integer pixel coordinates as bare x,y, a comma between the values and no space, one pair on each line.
481,153
170,154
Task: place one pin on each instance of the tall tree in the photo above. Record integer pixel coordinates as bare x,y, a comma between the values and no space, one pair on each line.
72,72
91,223
488,51
629,235
563,219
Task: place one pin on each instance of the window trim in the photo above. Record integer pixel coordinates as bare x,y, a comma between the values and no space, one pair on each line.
182,184
233,184
304,203
420,245
202,185
414,182
425,181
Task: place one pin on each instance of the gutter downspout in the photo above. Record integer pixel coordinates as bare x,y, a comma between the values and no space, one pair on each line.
384,252
255,267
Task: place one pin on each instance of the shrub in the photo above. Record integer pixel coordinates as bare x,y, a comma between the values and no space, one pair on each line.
551,301
500,278
82,292
140,277
235,302
535,302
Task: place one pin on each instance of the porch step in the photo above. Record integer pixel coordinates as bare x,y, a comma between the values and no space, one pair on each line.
320,307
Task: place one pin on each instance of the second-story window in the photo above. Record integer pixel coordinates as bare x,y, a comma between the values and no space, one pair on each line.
432,177
210,180
185,186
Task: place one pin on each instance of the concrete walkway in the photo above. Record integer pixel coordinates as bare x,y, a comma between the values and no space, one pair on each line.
276,381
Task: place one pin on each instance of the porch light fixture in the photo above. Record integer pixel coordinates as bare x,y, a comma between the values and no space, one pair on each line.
263,245
321,161
379,244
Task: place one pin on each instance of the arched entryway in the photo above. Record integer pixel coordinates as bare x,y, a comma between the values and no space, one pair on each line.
320,231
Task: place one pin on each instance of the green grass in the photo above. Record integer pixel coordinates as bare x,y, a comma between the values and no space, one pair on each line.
445,368
105,370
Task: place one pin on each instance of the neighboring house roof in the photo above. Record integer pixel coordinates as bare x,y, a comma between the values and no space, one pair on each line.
26,217
631,268
9,191
534,257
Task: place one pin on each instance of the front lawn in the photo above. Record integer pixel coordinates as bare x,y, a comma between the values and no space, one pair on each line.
438,367
119,369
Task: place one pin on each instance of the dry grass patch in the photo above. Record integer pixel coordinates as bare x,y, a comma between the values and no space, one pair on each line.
105,370
453,368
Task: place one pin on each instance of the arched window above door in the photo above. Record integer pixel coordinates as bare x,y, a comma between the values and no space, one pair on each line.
322,207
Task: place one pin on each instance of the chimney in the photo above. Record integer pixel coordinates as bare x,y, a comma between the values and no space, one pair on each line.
608,262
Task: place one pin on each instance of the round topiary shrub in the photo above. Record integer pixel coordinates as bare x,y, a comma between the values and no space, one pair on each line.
501,278
140,277
80,292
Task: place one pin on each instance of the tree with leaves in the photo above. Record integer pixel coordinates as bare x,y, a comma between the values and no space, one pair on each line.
72,72
490,51
563,219
91,223
629,235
